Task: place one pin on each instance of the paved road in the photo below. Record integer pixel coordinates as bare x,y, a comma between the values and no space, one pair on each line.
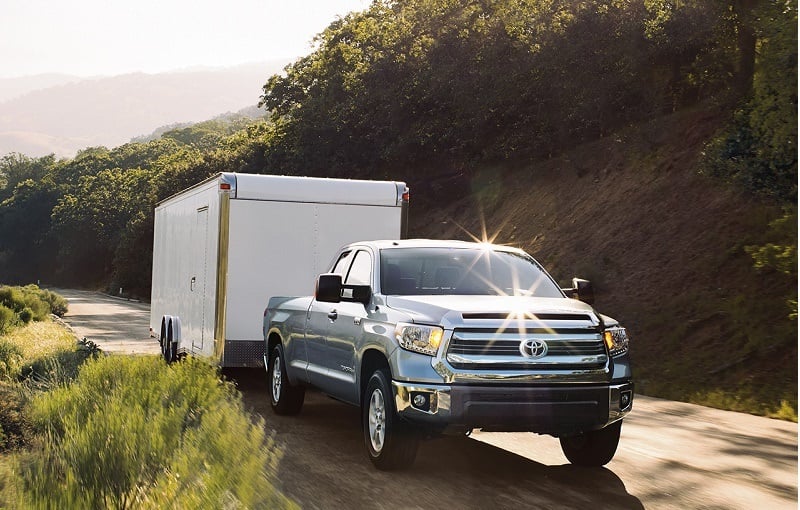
671,455
115,325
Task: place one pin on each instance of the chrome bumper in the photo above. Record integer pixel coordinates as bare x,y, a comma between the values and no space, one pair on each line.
550,409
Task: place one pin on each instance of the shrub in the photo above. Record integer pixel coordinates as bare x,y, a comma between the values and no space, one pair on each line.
40,302
26,315
57,303
8,319
12,298
10,359
29,303
133,432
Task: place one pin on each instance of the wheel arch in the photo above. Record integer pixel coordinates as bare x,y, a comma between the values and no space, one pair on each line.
273,338
371,360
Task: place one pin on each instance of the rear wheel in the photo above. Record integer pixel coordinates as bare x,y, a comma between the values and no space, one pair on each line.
284,397
391,444
594,448
168,345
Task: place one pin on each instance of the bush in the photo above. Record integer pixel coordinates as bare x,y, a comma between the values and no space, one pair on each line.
133,432
26,315
30,303
8,319
57,303
10,359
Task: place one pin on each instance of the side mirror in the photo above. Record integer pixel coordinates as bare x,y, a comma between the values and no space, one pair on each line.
581,290
357,293
329,288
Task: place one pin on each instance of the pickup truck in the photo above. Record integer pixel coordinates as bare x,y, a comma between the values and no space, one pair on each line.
444,337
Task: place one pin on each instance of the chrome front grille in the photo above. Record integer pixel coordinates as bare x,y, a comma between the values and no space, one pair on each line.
573,343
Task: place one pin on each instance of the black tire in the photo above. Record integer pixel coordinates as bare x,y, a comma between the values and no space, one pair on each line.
163,339
170,348
593,449
285,398
391,444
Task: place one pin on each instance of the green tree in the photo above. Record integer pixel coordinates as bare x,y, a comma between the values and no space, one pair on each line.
26,247
16,168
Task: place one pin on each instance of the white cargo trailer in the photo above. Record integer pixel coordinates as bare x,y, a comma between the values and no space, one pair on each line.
222,248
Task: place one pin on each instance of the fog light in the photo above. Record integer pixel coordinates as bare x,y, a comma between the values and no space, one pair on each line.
624,399
420,400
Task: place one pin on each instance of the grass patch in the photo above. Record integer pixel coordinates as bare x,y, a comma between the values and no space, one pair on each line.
132,432
39,340
740,402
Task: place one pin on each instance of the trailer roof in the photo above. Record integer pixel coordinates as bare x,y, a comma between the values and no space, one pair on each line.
283,188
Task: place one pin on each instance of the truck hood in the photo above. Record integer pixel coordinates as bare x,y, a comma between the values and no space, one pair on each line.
449,311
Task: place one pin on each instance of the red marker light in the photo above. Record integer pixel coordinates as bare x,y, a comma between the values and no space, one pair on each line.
224,186
406,196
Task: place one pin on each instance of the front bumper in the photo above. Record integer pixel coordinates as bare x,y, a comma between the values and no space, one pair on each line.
550,409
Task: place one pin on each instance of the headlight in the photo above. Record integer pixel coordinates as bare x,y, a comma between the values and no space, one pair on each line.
616,339
414,337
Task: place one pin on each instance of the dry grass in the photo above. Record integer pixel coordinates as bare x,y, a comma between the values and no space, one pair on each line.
42,339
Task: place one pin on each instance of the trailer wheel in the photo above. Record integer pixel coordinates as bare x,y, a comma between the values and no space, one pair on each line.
391,444
165,338
595,448
170,346
284,397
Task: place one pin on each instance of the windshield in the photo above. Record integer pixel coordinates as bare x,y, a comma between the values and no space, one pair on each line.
463,271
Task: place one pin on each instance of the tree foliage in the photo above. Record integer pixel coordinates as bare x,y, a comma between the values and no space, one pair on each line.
426,88
88,220
759,149
462,84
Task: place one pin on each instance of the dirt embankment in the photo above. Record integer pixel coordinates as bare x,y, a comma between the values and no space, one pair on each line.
664,247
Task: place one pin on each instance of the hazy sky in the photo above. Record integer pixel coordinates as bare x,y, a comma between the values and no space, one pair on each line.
106,37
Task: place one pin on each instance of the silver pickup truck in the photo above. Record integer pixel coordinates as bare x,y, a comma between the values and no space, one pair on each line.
443,337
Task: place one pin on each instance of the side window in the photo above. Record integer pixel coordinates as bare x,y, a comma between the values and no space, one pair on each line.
361,270
341,265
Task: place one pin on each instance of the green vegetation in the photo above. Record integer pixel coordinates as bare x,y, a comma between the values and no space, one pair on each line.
458,98
123,432
21,305
33,356
131,432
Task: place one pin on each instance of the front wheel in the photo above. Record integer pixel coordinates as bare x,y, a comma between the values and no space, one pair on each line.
391,444
594,448
285,398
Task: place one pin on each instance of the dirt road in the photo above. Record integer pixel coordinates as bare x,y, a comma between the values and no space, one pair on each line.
671,455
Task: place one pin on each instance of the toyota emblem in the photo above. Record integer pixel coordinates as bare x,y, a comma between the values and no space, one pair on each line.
533,348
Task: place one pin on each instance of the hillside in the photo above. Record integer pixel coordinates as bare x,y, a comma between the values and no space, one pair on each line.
663,246
109,111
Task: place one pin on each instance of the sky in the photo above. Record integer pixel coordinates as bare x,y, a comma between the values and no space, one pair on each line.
110,37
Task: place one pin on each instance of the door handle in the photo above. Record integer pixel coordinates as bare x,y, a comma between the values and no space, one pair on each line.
333,315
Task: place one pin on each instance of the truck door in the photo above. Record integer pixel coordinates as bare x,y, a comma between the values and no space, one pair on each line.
319,320
345,333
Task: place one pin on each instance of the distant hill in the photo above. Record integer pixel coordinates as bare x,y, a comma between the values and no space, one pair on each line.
11,88
65,116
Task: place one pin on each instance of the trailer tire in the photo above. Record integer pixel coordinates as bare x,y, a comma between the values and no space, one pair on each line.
162,337
171,343
284,397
